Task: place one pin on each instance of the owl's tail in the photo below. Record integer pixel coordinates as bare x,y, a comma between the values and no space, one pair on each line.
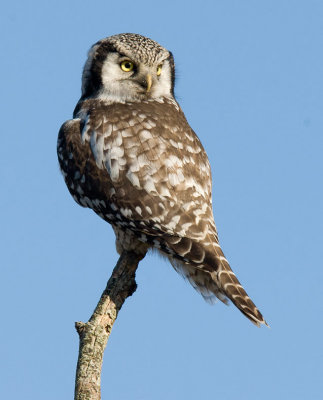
232,288
212,276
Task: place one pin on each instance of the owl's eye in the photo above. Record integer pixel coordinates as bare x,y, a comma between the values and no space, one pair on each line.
127,65
159,69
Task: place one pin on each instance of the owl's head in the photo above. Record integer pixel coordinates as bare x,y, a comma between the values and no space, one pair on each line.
128,67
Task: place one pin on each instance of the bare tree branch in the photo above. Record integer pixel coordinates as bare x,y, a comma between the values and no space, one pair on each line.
95,333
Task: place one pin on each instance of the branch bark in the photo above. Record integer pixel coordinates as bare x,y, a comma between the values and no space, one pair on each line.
95,333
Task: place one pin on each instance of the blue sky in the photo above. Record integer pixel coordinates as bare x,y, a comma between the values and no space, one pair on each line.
250,81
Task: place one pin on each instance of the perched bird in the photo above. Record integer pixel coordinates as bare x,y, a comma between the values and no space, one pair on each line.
130,155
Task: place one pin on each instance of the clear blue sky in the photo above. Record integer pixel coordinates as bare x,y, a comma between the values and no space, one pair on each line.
250,81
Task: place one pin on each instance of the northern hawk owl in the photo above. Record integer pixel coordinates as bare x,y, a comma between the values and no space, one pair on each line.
130,155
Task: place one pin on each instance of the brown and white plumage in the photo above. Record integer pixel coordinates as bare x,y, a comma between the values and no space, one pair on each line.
130,155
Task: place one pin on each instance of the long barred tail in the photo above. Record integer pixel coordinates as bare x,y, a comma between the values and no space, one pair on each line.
209,273
232,288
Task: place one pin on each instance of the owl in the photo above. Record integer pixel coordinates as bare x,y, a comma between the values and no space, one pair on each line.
130,155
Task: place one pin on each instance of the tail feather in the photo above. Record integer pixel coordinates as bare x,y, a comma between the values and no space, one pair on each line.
209,272
239,297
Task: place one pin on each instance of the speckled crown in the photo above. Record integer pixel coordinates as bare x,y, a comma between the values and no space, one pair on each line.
141,47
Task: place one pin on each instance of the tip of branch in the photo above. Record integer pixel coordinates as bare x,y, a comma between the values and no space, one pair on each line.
80,326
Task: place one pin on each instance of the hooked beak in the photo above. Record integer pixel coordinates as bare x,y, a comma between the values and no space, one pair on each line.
149,81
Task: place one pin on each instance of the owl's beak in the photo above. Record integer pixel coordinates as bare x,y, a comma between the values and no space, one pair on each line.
149,81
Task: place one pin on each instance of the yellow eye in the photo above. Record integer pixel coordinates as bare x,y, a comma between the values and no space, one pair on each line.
127,65
159,69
